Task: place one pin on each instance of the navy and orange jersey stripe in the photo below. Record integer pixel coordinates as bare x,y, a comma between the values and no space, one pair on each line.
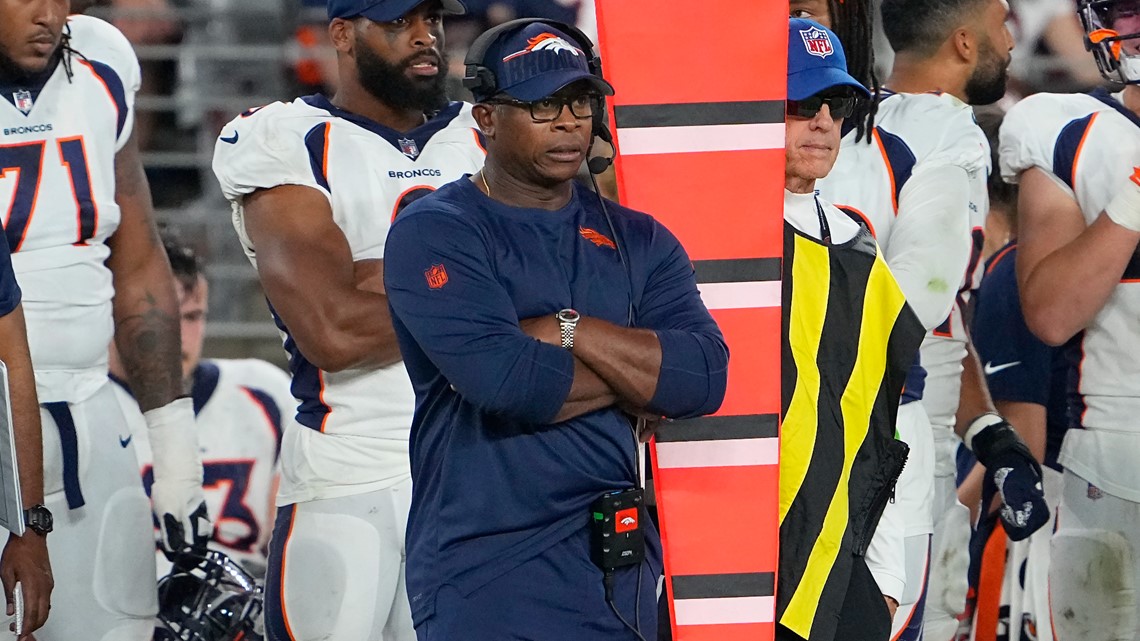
409,196
1068,146
900,161
1108,99
480,140
999,256
269,408
420,136
308,381
206,377
114,86
276,618
317,142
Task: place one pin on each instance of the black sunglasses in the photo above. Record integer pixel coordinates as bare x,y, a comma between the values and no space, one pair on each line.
841,105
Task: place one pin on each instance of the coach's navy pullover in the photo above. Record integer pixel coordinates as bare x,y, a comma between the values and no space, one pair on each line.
494,482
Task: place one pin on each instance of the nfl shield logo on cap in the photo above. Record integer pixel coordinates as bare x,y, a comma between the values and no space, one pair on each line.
817,42
409,147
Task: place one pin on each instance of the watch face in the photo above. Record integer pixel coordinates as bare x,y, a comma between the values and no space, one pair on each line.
569,316
40,519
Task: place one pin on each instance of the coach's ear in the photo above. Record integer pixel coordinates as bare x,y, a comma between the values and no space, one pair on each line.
342,35
484,115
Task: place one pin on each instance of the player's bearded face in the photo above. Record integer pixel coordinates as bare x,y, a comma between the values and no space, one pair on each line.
986,84
392,84
30,34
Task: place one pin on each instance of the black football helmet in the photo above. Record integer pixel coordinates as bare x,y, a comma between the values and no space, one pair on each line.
208,597
1104,40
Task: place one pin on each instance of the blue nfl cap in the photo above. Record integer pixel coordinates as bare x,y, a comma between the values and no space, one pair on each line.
384,10
816,61
537,60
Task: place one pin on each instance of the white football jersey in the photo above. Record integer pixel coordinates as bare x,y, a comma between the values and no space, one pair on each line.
57,181
913,130
241,409
1090,145
356,423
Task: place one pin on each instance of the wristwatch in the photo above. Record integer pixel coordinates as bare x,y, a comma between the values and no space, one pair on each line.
567,321
38,518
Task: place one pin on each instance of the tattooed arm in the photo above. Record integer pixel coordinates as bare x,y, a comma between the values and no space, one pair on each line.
147,335
146,305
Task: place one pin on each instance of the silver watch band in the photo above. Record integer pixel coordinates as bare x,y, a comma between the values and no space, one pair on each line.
567,328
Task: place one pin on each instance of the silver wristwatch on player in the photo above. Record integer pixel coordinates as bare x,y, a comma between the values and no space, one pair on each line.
567,321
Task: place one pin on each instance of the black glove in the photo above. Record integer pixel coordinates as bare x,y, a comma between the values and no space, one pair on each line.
1012,472
176,536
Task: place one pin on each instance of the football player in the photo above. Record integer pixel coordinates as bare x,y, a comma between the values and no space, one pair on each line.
1075,159
917,178
240,407
86,254
1027,380
315,184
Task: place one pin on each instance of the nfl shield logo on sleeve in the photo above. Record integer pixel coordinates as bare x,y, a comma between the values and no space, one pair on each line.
23,100
436,276
409,147
817,42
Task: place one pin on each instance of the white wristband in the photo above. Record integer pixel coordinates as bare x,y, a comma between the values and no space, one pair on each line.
1124,208
174,441
979,424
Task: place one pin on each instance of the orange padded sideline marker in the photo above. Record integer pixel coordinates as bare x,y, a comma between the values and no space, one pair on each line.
699,125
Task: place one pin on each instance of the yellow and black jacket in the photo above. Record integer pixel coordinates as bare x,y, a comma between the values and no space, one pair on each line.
848,340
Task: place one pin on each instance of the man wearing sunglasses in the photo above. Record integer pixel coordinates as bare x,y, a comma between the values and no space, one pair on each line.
848,340
533,316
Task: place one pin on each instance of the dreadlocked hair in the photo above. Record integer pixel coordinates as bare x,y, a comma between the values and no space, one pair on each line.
853,22
66,52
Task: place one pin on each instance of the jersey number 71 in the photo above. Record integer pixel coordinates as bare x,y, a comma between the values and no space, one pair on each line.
26,160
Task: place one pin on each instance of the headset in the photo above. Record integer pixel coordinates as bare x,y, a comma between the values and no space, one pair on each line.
481,80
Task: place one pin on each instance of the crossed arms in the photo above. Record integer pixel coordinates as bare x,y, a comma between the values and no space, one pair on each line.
674,364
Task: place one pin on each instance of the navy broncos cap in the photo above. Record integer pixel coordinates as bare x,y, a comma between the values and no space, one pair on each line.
536,60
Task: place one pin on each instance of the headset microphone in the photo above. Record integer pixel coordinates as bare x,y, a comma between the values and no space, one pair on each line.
599,164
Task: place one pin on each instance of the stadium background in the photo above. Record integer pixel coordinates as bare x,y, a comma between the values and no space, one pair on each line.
205,61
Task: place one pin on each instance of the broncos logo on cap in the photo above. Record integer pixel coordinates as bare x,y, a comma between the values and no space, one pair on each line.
546,42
